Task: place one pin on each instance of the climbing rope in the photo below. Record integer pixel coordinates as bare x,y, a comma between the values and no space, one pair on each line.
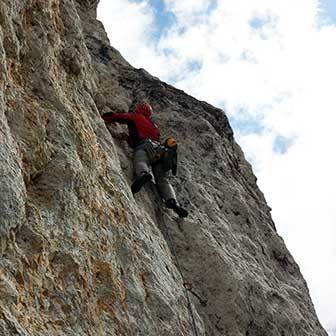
187,286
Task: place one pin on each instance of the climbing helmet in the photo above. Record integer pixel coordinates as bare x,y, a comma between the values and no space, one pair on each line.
143,108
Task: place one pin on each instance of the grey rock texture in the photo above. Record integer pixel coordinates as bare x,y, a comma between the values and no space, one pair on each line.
80,255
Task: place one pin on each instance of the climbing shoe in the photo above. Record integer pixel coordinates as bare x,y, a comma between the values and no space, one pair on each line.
171,204
140,182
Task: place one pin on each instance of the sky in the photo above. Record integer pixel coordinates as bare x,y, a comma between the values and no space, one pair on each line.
270,64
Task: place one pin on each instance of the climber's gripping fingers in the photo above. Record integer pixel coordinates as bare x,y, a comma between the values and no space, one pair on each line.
107,117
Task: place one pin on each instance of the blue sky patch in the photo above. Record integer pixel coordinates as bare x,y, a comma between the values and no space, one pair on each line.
281,144
191,66
258,22
329,10
194,65
168,52
332,331
212,6
164,19
245,124
248,56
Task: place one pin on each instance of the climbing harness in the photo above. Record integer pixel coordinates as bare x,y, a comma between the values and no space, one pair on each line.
153,150
165,153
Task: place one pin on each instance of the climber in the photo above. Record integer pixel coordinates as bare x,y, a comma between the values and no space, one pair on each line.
144,138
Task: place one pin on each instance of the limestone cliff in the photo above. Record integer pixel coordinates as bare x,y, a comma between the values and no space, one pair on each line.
80,255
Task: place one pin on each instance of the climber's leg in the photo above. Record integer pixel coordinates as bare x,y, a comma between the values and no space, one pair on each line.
172,204
141,169
165,189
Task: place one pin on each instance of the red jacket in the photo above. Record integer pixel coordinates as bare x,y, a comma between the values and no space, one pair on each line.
140,126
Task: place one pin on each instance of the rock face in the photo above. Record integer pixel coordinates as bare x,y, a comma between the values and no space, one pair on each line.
80,254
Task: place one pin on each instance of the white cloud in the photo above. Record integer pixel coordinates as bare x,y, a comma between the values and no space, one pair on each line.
129,27
187,6
186,10
279,68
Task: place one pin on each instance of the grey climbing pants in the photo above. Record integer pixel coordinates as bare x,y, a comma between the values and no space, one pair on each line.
142,165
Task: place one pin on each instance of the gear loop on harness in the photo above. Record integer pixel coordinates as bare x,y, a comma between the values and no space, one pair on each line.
165,153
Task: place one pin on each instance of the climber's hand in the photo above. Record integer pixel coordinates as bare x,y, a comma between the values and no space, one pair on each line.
107,116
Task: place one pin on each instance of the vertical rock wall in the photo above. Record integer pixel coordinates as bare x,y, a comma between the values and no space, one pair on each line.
80,255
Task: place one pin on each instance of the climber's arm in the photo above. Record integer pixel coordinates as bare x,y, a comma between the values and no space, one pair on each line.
121,118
